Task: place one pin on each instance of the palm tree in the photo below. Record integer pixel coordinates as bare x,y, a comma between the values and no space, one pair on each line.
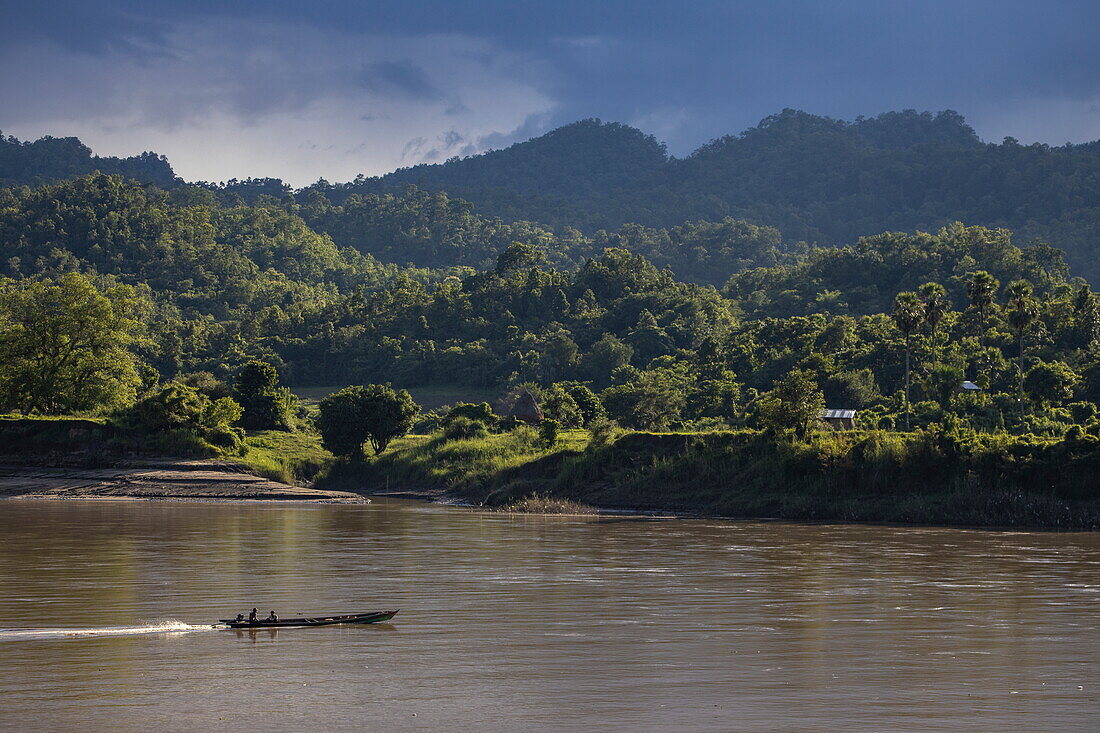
934,300
908,313
1022,311
981,288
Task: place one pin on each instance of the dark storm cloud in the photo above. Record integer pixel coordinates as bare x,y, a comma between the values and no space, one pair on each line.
399,77
532,125
684,71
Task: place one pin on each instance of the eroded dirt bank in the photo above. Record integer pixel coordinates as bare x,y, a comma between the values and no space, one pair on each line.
155,479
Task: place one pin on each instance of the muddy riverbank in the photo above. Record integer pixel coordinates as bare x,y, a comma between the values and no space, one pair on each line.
156,479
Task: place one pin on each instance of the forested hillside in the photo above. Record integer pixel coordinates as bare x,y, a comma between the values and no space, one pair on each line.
585,159
207,286
55,158
435,230
812,178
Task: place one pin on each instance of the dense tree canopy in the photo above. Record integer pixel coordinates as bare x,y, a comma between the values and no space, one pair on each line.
65,346
629,323
814,178
375,413
55,158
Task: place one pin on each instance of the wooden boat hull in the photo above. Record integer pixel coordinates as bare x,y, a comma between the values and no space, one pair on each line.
327,620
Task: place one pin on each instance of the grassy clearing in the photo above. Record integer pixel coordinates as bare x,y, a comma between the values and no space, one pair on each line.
291,458
465,467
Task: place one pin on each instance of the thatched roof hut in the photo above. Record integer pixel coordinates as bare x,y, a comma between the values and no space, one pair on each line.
526,409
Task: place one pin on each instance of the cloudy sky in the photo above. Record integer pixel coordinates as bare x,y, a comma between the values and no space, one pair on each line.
304,90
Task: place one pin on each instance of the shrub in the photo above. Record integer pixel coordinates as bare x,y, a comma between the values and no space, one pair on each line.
482,413
463,428
179,408
603,432
548,432
207,383
558,404
267,406
427,423
587,402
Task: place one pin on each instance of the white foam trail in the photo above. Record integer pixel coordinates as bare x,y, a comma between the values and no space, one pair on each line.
159,627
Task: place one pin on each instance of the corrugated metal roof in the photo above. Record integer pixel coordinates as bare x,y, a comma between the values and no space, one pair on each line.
838,414
970,385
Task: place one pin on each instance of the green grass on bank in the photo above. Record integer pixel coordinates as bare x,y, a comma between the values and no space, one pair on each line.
421,462
292,458
927,476
920,477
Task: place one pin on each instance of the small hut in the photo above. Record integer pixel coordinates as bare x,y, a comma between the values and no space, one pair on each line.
839,419
526,409
969,387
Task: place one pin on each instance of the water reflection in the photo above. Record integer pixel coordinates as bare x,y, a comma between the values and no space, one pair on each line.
540,623
255,635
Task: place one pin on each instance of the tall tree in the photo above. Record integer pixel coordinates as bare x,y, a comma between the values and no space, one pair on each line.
1086,317
1051,382
266,405
933,297
908,313
1022,311
65,346
981,288
375,413
795,403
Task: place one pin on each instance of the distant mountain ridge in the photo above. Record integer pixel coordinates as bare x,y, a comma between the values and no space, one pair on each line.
815,178
581,159
57,158
594,174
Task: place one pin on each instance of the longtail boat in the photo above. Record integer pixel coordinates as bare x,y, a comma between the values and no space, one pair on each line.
345,618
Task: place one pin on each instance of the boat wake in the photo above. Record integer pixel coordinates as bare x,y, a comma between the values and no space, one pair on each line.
156,627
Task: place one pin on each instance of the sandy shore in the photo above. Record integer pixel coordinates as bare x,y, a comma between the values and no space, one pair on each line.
156,479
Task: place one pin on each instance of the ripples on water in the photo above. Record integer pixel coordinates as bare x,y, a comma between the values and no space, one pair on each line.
530,623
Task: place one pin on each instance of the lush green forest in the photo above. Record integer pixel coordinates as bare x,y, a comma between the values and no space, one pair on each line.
211,287
54,158
812,178
185,310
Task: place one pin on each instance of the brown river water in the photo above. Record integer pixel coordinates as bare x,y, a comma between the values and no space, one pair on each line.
536,623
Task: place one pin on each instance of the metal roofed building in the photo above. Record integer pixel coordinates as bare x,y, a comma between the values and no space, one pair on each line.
839,419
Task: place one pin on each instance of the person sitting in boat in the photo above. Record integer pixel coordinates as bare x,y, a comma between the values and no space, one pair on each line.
240,618
272,618
252,617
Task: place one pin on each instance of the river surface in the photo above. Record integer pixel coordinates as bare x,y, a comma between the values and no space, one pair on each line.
536,623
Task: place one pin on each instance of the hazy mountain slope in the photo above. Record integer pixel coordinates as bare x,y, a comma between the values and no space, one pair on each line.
814,178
